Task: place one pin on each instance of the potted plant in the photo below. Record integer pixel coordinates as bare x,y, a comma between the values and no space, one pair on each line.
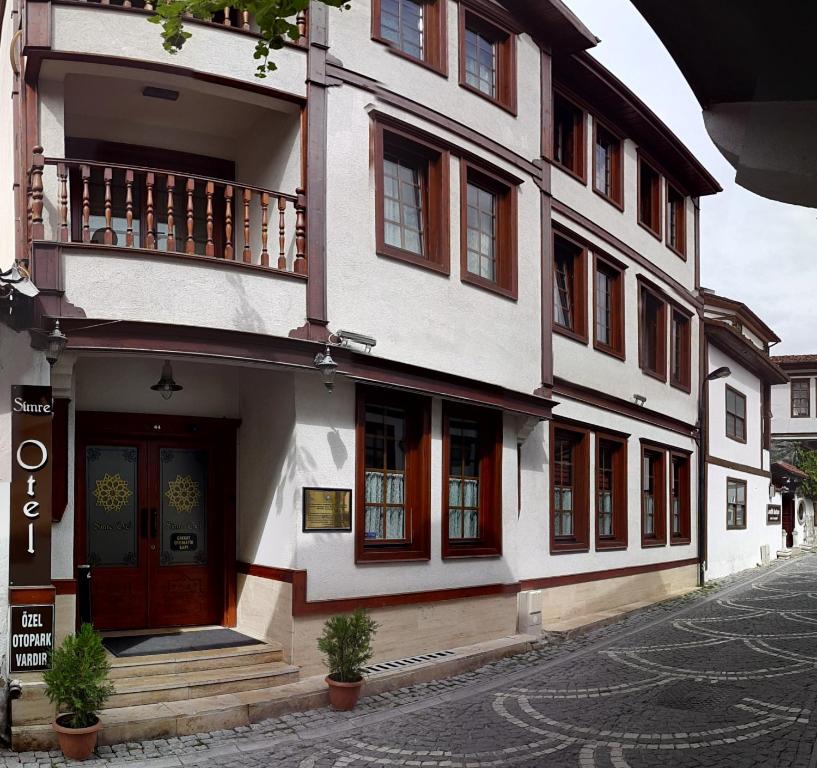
346,644
77,684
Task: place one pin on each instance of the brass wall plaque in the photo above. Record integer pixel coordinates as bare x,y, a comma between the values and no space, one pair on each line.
327,509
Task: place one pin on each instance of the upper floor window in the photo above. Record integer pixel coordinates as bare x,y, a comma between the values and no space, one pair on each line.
680,355
607,164
412,198
611,492
569,517
653,509
652,334
488,210
679,499
608,308
800,398
569,288
472,451
487,59
393,476
735,503
568,135
676,220
413,28
649,197
735,414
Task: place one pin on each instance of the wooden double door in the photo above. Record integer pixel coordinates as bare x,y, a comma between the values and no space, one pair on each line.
154,519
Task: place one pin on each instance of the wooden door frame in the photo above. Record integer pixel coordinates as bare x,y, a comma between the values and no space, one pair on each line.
222,432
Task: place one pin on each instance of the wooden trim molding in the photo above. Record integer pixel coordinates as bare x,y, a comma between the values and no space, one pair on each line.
735,466
65,586
271,573
59,455
435,31
31,595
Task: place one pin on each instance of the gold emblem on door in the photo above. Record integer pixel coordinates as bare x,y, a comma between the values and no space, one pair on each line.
112,492
183,493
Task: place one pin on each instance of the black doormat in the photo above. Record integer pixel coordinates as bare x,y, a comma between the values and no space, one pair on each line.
176,642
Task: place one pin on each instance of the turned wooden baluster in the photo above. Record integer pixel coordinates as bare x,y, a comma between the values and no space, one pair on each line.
227,21
150,235
148,5
171,220
247,252
62,175
300,265
245,21
107,237
228,222
282,208
129,209
190,244
209,248
85,171
300,20
36,204
126,3
264,228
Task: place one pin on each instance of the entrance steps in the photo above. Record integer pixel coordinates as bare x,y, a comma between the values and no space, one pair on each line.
165,695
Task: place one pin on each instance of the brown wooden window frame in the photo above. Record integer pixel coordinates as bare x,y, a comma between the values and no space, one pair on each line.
653,226
490,425
659,536
615,273
505,236
733,434
619,536
676,200
435,48
681,379
435,191
578,169
738,483
504,42
417,491
645,292
616,195
578,288
684,535
800,381
579,540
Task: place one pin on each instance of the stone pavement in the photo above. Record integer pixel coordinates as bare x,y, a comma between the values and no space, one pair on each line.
724,677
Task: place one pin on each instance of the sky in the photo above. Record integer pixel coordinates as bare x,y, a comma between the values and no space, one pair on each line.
754,250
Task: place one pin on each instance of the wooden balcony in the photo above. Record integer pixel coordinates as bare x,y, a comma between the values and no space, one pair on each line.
133,208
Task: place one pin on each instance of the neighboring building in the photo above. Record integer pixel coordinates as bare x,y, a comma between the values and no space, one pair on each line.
509,237
743,520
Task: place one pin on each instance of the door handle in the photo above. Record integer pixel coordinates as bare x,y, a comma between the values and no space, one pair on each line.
154,523
144,523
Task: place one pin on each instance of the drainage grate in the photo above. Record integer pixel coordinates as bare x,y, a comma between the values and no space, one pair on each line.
386,666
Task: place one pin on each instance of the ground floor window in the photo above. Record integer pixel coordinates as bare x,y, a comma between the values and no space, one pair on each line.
393,476
570,513
611,492
472,465
735,503
680,523
653,504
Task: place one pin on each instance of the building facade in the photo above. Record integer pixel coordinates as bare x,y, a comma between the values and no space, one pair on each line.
494,240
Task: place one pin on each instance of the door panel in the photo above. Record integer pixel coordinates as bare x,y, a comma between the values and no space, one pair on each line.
114,489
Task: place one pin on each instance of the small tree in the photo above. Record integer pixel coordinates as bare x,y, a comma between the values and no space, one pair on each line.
275,20
78,679
806,461
346,644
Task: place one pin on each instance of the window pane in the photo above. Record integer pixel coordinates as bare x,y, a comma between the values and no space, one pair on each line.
385,456
401,23
480,63
463,479
403,200
481,232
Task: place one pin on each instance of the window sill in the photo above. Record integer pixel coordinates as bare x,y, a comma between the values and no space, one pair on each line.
568,547
740,440
438,70
615,203
383,555
649,543
412,258
682,387
580,177
610,545
604,349
487,285
570,334
735,527
470,551
678,542
680,254
509,108
654,374
656,233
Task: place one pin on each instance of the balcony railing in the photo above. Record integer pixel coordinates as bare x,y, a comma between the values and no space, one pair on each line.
159,210
229,17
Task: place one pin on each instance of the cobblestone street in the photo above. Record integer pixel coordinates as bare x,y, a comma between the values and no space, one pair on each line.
724,677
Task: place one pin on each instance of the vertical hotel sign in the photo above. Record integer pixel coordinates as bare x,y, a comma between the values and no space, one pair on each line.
32,412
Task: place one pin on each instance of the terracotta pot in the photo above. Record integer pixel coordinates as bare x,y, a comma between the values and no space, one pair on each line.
76,743
343,696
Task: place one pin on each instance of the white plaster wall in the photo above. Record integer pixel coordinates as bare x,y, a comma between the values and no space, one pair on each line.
540,563
350,41
416,315
325,437
85,29
624,224
582,364
7,151
730,551
782,421
162,289
749,385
